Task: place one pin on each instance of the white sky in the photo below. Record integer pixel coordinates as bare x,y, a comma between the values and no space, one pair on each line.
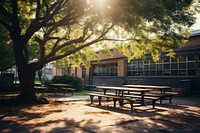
196,26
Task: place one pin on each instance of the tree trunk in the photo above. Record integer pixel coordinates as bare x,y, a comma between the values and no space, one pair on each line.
26,73
27,78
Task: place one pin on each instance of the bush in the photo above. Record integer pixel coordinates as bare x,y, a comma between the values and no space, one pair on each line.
45,81
76,82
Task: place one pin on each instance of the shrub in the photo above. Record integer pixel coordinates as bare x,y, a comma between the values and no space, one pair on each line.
45,81
76,82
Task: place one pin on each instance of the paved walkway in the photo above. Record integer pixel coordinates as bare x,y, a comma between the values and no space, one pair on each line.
71,98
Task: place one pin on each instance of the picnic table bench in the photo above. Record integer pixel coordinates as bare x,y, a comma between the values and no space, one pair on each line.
158,91
138,97
161,97
40,89
112,96
68,90
120,95
65,88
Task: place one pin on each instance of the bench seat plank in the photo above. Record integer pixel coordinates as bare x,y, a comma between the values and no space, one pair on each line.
71,90
114,97
153,99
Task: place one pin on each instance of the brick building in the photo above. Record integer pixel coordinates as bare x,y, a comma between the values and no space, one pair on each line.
181,71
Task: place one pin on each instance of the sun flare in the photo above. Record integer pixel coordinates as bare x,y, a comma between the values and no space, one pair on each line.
101,5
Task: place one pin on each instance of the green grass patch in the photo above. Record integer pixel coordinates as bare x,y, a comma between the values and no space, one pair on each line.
14,94
81,93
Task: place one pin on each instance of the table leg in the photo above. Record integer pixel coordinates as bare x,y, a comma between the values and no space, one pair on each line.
142,98
104,92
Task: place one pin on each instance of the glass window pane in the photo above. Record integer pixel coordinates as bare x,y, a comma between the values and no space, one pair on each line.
191,57
129,73
175,59
192,72
152,66
167,66
159,73
146,67
146,73
140,73
153,73
167,72
182,65
182,72
105,70
134,66
159,66
199,64
152,61
140,65
191,65
134,73
182,58
174,72
160,60
129,67
166,59
146,61
174,66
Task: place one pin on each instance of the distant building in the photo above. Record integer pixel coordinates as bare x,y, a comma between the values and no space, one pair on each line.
181,71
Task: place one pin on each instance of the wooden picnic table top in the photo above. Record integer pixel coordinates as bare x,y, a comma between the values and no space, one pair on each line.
123,88
39,87
60,85
148,86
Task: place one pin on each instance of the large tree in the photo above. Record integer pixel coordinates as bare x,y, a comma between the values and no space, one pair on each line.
66,29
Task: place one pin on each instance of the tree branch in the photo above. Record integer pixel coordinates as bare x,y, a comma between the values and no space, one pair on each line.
38,9
38,23
42,48
52,58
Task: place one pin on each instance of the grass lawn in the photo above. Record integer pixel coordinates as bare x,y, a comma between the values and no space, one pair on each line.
9,94
81,93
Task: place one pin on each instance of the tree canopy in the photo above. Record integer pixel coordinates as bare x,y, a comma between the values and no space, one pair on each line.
50,30
65,27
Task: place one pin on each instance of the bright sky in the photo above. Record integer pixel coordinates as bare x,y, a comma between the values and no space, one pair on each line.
196,26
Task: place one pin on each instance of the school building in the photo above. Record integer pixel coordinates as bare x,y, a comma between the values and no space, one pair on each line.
183,71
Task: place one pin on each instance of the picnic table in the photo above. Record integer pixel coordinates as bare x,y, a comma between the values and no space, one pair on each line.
40,89
164,93
162,89
62,87
120,91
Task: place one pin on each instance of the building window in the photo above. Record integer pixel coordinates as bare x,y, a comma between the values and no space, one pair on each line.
135,68
146,67
174,66
191,64
105,69
177,66
47,71
167,67
182,65
199,61
83,72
